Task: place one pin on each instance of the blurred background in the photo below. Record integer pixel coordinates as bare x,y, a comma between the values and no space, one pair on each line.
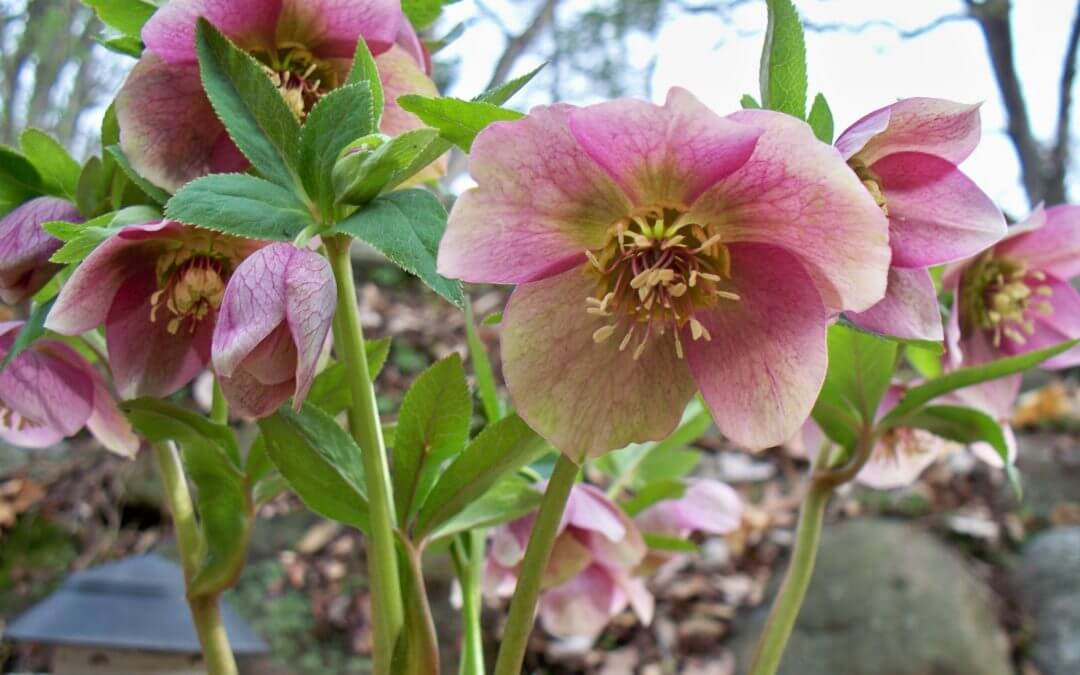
952,576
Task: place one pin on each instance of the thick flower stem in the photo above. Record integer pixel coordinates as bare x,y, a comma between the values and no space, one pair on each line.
468,555
383,573
523,605
205,613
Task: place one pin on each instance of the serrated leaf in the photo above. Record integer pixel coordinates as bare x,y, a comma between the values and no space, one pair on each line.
821,119
458,121
961,424
926,362
241,205
125,16
80,239
149,189
364,70
502,93
406,227
59,172
123,45
330,391
91,190
19,180
860,369
510,498
422,13
32,330
783,61
339,118
360,177
249,105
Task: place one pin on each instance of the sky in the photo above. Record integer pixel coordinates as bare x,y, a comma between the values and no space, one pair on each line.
857,72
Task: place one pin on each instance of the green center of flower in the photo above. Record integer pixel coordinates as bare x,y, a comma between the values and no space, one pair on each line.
300,77
871,181
191,281
653,273
1000,294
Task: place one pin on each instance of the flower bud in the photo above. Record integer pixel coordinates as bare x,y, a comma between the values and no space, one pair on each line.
25,248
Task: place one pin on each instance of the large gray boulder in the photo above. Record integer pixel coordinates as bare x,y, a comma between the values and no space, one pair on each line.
888,599
1048,582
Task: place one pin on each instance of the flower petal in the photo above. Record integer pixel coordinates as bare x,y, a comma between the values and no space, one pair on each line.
310,301
859,134
897,463
708,506
764,365
568,558
664,155
1062,324
1053,248
25,247
582,606
540,203
936,213
909,310
583,397
401,74
331,28
170,32
253,306
168,129
934,126
251,398
588,508
52,398
986,452
797,194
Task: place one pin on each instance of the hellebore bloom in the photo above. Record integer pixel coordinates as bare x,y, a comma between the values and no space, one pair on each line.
588,579
25,248
660,249
906,156
707,506
156,287
50,392
271,328
168,128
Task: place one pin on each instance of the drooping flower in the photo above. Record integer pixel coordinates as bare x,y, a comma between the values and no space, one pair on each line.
25,248
50,392
906,154
707,506
170,132
660,249
589,578
156,287
271,328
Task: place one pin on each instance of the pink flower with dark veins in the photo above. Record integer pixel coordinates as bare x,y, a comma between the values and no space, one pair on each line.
273,323
168,128
906,154
25,248
50,392
662,249
156,287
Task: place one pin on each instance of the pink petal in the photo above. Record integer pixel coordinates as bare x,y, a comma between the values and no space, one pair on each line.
52,397
310,301
709,506
641,600
900,459
583,397
499,582
569,557
764,365
1053,248
146,359
331,28
25,247
936,213
168,130
251,398
540,203
933,126
797,194
663,155
859,134
909,310
1061,325
401,73
582,606
170,32
508,541
588,508
252,308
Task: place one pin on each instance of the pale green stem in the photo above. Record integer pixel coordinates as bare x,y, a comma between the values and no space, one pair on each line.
523,605
383,573
219,407
468,554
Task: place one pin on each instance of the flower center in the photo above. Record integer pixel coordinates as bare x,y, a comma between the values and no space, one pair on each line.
1000,294
191,279
871,181
653,273
9,419
301,78
901,443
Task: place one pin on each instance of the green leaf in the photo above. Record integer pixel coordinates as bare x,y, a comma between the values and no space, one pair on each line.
257,464
339,118
628,464
31,331
422,13
659,542
254,112
19,180
821,119
268,489
510,498
671,463
125,16
935,346
92,189
330,391
748,102
365,71
360,176
783,61
320,461
432,427
860,369
502,93
481,365
149,189
458,121
240,205
493,319
123,45
961,424
434,46
82,238
926,362
500,449
916,397
652,493
221,435
59,172
406,227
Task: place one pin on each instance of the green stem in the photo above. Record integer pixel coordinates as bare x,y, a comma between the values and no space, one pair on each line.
523,605
219,407
468,555
383,573
205,612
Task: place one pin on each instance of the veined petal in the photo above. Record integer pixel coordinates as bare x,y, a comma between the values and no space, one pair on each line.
666,154
582,606
251,398
933,126
25,247
936,213
540,203
859,134
52,397
170,32
588,508
401,74
585,397
764,365
310,301
1053,248
1060,325
909,310
331,28
253,306
797,194
900,459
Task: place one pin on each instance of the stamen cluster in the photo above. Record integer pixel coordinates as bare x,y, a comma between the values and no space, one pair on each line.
872,182
1001,293
301,78
191,284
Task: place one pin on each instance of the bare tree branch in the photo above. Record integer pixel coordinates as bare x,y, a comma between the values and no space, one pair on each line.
881,23
1059,154
517,45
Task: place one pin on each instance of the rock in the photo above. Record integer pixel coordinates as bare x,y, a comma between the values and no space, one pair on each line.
888,599
1048,583
1050,469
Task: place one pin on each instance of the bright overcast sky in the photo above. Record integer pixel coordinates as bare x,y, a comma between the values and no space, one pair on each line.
857,72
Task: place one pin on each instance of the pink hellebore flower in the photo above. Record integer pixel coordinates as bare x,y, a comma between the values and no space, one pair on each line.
25,248
707,506
906,156
156,287
169,130
272,325
589,577
660,249
50,392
